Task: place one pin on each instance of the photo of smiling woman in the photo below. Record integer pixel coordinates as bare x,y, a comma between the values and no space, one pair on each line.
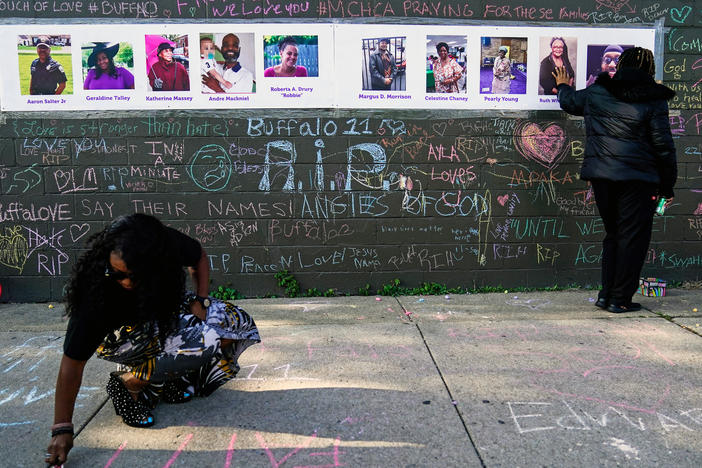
556,54
446,64
290,56
100,69
167,62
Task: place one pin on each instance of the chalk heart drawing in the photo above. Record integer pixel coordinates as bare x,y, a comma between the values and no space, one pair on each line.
13,248
679,15
439,128
502,199
79,230
545,144
62,178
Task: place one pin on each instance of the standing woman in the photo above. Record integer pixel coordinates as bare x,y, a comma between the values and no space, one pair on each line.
446,71
288,61
104,74
630,162
127,303
502,73
556,59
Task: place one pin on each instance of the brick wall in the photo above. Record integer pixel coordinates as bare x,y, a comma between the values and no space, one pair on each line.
341,198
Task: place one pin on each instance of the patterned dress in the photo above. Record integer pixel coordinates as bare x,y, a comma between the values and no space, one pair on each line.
191,354
452,70
501,83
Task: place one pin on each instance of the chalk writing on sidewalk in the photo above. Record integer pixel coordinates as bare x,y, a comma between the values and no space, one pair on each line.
538,416
304,454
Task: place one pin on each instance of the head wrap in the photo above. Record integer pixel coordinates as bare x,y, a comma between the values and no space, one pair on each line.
613,48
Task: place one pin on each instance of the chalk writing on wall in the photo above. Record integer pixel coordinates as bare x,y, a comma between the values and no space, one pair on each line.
458,198
345,195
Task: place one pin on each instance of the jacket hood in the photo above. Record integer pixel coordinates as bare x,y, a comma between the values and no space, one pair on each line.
634,85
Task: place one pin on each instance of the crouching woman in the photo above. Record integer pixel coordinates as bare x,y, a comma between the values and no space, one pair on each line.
127,303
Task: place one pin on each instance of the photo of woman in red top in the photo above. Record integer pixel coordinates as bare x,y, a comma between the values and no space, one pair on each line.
167,74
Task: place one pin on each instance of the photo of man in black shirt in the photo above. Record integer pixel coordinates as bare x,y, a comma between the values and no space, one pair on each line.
47,75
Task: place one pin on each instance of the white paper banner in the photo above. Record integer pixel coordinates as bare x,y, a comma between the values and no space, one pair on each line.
220,66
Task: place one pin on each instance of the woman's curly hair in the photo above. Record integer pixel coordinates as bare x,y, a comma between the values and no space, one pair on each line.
158,277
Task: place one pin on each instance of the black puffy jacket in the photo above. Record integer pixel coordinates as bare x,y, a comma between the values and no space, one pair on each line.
627,128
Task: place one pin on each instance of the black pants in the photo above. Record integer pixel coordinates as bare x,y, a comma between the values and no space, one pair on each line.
626,208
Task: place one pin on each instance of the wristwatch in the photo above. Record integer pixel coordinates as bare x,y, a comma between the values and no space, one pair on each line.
205,301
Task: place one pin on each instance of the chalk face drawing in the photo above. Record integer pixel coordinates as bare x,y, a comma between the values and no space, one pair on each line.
210,168
304,193
544,144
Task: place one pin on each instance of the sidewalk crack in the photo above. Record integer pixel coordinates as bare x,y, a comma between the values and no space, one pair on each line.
448,390
91,417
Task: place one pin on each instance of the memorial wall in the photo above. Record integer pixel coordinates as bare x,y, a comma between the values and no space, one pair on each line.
281,141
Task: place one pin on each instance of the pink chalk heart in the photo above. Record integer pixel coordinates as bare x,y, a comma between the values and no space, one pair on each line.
502,199
546,146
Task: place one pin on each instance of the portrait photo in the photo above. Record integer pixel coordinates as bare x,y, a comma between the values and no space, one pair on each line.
290,56
227,63
603,58
384,64
107,65
554,52
45,65
446,64
503,65
167,62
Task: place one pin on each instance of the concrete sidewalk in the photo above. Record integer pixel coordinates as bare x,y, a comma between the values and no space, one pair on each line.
519,379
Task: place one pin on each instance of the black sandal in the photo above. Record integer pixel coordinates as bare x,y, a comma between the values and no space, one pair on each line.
174,393
133,413
170,392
